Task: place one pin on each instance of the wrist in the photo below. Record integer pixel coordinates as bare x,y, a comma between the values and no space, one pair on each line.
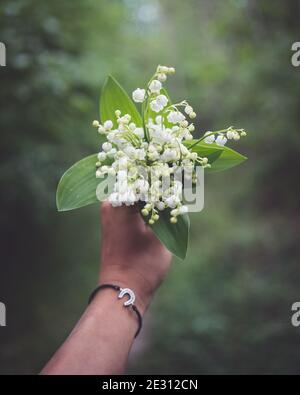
102,295
141,288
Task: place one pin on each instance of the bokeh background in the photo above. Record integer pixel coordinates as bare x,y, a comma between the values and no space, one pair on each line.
227,308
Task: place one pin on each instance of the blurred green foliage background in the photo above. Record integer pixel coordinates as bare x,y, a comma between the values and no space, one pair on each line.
227,308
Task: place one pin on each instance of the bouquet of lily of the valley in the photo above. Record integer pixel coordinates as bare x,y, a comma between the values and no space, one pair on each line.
149,158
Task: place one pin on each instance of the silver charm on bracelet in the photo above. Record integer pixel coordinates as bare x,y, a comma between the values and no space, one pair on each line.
130,293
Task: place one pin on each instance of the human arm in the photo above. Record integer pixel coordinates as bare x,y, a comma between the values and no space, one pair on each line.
131,257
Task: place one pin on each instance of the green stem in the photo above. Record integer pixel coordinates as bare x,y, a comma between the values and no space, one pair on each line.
144,124
147,136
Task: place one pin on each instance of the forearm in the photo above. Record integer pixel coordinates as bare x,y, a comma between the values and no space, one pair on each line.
100,342
131,257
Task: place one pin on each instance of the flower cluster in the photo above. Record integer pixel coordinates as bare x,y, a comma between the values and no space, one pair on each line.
222,136
145,158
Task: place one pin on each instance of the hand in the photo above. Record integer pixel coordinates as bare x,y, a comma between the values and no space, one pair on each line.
131,255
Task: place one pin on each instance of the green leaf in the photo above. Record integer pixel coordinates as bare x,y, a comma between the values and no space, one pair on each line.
205,150
77,187
173,236
228,159
115,98
221,158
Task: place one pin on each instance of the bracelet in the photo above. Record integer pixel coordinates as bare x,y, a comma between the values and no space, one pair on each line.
122,293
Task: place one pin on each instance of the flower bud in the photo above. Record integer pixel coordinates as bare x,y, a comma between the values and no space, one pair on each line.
106,146
173,220
188,110
230,135
139,95
160,205
155,86
96,124
184,124
111,153
192,115
163,69
145,212
161,77
101,156
108,125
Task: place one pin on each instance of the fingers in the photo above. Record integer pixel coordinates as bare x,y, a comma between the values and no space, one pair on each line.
122,215
128,221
